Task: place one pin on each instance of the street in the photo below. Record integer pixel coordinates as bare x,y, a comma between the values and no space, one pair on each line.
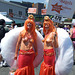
73,71
5,71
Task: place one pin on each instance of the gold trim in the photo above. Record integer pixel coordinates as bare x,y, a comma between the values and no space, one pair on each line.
26,52
49,54
31,17
46,18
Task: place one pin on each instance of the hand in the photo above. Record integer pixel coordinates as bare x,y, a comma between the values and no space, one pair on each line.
15,57
43,40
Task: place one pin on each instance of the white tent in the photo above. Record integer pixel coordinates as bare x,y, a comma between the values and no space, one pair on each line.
5,18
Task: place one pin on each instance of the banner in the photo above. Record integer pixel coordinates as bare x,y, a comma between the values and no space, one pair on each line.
43,11
32,10
64,8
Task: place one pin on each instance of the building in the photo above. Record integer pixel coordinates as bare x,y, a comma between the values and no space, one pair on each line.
25,4
14,11
1,0
39,6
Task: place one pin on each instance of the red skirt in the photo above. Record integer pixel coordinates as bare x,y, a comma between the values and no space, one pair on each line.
25,62
48,65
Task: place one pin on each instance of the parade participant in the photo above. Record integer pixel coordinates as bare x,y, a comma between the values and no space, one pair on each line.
3,31
31,49
72,34
28,48
13,25
64,61
50,41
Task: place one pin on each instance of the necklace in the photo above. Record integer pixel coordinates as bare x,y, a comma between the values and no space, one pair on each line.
28,35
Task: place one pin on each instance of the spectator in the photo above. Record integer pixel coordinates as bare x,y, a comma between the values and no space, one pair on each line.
68,29
9,27
72,36
13,25
3,30
37,27
65,27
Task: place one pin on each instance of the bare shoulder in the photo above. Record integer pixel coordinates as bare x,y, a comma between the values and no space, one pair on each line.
20,35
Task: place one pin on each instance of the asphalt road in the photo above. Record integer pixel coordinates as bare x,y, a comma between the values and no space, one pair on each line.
73,71
5,71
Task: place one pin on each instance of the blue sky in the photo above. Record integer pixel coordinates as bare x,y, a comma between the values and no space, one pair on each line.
35,1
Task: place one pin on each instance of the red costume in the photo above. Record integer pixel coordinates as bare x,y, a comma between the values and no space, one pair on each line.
25,63
26,57
48,65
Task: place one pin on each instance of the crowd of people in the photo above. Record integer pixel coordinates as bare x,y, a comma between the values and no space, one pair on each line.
27,45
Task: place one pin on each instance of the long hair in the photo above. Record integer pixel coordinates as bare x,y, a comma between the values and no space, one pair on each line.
50,22
29,20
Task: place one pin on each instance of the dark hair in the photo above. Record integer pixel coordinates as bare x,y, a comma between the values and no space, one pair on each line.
2,21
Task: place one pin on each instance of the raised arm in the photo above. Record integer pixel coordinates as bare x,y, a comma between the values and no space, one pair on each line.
17,46
55,40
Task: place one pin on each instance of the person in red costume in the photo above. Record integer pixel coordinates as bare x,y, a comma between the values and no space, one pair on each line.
28,48
50,42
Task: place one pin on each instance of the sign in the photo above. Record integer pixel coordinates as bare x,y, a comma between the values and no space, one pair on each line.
64,8
32,10
43,11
